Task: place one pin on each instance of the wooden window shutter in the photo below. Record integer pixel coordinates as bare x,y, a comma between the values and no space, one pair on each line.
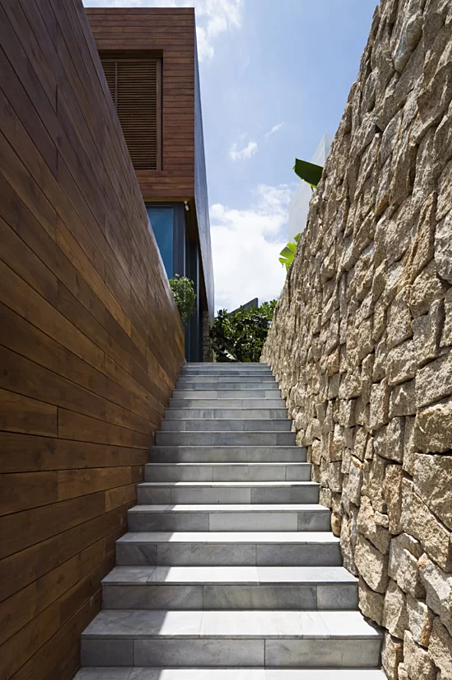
134,86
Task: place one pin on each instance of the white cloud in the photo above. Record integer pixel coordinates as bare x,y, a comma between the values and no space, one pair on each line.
246,246
213,17
274,129
243,154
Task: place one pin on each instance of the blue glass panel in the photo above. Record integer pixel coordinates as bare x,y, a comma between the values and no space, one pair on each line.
162,222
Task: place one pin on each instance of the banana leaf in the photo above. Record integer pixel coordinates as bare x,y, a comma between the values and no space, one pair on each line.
309,172
287,254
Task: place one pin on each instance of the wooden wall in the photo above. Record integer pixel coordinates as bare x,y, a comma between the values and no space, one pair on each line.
171,32
90,340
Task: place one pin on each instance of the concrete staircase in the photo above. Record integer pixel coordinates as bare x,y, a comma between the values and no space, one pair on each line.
229,570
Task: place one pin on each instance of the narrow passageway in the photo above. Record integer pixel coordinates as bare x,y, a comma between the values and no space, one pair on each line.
229,564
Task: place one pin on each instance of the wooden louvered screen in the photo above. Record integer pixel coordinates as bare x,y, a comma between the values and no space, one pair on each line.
135,90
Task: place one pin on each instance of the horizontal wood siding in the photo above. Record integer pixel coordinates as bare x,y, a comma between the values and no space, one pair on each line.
170,32
90,342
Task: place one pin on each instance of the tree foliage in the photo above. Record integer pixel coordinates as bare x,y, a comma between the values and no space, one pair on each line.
240,335
184,294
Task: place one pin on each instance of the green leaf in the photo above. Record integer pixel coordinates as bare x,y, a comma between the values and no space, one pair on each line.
309,172
287,254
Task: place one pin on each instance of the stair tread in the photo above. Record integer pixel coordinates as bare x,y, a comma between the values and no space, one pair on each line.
141,624
233,484
225,507
223,464
129,673
285,538
229,575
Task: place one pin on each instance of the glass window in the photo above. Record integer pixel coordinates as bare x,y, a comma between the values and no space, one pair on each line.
162,222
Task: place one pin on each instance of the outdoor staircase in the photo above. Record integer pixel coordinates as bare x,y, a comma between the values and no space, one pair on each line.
229,570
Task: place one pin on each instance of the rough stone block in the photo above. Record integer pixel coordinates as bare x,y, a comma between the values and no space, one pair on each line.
367,525
392,489
335,476
433,482
408,39
426,288
438,586
418,521
443,248
417,660
399,320
446,339
395,614
427,330
409,448
420,620
433,428
434,381
355,480
348,540
379,405
371,603
402,401
403,568
440,649
392,656
401,363
374,483
388,441
371,564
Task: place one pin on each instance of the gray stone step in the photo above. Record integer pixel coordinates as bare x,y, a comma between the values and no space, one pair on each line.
226,425
226,403
222,385
225,438
227,472
230,639
225,414
229,517
229,372
242,588
224,368
227,379
228,454
245,393
203,493
212,548
130,673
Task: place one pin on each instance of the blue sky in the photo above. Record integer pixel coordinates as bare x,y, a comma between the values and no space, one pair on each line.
275,76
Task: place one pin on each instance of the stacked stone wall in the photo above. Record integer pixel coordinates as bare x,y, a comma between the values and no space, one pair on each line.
362,337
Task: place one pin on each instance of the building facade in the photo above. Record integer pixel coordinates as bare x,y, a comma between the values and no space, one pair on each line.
299,203
149,57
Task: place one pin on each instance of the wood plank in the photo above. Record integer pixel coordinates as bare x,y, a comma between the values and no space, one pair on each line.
79,427
24,529
23,606
28,490
20,569
27,340
30,416
74,483
24,453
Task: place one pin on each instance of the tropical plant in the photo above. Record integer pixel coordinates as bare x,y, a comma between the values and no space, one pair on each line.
308,172
183,290
240,335
287,254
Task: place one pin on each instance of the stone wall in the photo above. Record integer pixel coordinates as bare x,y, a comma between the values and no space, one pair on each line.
362,336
